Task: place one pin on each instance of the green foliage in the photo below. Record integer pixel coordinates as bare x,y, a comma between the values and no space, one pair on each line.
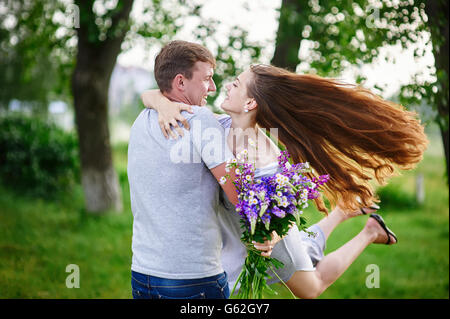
393,197
353,32
36,57
37,157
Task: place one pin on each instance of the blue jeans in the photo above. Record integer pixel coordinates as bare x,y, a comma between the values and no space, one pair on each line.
150,287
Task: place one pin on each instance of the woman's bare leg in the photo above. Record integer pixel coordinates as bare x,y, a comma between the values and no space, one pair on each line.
311,284
337,216
333,265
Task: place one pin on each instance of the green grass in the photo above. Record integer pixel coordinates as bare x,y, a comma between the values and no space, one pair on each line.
38,239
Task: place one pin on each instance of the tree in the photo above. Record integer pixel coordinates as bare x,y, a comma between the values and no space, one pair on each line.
341,33
437,13
97,53
287,44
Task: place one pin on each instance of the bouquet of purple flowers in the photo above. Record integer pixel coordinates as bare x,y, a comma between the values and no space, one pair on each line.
268,204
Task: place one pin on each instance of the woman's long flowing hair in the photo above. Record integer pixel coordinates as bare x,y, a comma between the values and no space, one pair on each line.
342,130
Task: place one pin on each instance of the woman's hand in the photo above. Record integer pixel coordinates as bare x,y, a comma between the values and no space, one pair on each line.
268,245
169,113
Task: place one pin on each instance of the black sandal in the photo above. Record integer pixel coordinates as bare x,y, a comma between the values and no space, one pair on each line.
389,232
373,206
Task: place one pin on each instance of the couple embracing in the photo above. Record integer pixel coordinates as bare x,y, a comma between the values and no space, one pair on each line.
186,232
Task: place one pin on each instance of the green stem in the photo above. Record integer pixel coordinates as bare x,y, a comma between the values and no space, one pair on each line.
273,270
237,280
294,187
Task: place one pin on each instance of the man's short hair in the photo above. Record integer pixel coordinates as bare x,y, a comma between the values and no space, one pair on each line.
179,57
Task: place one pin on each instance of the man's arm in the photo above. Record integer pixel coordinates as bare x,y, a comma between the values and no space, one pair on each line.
169,113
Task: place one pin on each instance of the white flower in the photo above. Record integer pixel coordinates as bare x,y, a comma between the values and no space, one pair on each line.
237,171
281,180
248,177
223,180
234,160
251,142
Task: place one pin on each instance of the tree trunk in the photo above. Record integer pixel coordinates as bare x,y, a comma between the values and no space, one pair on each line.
437,12
90,83
444,134
98,177
289,34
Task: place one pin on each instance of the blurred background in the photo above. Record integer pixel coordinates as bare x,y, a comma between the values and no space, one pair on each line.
71,73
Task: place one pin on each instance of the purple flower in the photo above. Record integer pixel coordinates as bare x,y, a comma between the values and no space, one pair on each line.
278,212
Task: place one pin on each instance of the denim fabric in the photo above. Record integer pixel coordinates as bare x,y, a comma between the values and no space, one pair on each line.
150,287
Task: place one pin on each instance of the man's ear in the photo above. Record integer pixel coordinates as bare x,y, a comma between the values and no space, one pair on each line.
251,104
178,82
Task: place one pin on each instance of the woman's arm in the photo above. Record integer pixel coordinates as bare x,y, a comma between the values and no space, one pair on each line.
169,113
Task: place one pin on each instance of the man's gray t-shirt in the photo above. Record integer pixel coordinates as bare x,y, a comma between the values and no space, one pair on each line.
174,196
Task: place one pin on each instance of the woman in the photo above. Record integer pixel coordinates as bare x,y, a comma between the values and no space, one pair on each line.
342,130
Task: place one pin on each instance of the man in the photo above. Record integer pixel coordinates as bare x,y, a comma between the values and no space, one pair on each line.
176,240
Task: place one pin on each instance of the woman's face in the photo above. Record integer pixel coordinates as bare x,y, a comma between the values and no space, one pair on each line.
237,98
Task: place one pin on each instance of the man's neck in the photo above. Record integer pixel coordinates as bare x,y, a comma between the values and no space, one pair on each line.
176,97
